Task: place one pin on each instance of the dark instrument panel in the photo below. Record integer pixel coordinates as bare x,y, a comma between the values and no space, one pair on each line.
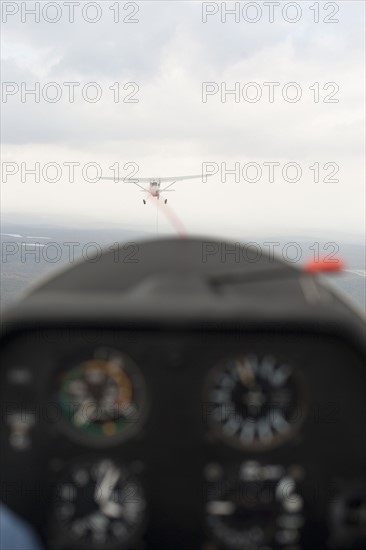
186,439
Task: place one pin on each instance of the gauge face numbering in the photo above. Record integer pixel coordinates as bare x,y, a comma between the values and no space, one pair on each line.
101,396
254,402
99,504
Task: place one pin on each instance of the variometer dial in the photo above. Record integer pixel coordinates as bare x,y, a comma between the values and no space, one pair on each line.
254,402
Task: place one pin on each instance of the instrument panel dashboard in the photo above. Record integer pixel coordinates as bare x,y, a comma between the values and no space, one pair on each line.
202,439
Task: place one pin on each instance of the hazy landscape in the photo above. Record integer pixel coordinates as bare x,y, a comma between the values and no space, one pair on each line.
33,250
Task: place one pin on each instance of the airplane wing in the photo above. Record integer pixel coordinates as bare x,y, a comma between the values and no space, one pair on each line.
129,180
148,180
136,181
181,178
172,179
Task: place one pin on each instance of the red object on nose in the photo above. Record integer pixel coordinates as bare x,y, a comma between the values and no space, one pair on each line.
324,266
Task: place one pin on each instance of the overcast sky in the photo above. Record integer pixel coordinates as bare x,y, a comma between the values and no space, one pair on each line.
169,52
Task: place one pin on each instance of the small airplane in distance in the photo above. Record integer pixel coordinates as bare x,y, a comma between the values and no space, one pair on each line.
154,188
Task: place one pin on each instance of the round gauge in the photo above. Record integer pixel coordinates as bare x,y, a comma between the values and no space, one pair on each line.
348,515
254,403
102,395
257,509
99,505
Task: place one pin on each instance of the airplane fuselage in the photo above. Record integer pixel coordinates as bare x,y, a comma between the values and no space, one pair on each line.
155,189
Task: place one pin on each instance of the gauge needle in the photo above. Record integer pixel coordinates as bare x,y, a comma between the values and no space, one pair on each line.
112,509
106,485
245,373
85,412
